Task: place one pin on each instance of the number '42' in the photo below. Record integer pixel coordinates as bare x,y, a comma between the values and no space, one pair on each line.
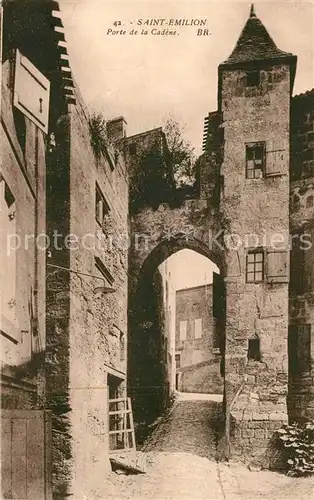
117,23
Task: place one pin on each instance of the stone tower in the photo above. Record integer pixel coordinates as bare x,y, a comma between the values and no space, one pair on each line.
254,96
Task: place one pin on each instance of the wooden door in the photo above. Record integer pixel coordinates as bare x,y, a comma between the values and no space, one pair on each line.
26,454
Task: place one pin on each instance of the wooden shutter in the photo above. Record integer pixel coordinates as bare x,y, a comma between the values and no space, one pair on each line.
183,330
277,266
31,92
276,163
26,454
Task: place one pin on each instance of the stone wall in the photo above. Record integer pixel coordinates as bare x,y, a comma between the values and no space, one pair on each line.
22,273
88,328
147,356
301,311
302,136
260,207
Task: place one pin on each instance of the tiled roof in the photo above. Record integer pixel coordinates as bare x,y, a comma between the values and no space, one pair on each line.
255,44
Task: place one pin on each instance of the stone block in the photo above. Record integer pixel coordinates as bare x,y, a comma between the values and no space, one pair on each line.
280,416
250,379
260,416
260,433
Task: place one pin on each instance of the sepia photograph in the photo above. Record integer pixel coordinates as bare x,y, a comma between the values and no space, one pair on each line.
156,250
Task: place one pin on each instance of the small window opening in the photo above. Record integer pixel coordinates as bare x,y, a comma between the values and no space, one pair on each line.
254,351
252,78
132,148
309,201
178,361
101,207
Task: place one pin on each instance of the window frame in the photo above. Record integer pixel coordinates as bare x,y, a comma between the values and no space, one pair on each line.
200,320
104,209
255,251
249,74
177,357
250,146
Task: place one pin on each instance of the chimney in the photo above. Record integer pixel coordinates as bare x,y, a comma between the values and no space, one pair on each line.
116,129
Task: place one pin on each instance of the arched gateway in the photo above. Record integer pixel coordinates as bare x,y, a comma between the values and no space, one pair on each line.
244,200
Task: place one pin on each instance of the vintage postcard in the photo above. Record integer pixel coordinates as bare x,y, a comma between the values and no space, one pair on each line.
156,250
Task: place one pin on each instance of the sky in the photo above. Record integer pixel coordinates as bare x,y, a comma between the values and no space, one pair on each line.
149,78
189,269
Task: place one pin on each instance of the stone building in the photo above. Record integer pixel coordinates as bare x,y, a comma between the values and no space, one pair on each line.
86,315
34,88
255,187
64,277
197,345
66,339
169,301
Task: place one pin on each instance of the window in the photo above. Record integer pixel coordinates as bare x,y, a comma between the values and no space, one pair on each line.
252,78
198,328
178,361
254,351
101,206
132,149
183,330
254,266
309,201
255,160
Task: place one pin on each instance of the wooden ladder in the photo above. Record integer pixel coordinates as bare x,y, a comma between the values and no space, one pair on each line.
121,426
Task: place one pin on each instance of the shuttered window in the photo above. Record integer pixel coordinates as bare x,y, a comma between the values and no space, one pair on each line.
198,327
183,330
277,266
277,162
31,92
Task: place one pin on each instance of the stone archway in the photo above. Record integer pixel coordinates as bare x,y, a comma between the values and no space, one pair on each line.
146,374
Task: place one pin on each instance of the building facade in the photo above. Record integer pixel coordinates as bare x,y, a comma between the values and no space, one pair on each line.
255,189
33,93
169,300
86,313
64,259
197,348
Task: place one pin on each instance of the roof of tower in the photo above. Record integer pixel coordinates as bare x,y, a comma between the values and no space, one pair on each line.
255,44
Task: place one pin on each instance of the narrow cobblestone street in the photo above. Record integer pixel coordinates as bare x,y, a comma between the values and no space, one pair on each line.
189,427
180,464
